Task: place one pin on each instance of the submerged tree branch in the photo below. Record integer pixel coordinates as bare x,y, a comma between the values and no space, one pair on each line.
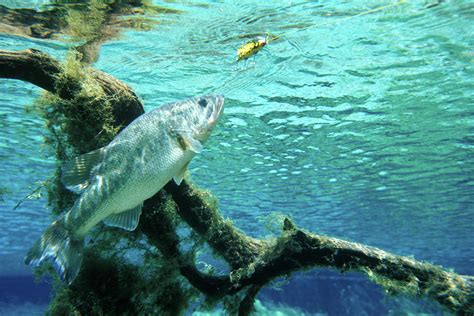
195,207
297,249
253,262
40,69
32,66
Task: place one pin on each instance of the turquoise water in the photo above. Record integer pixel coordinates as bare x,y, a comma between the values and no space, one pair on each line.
359,128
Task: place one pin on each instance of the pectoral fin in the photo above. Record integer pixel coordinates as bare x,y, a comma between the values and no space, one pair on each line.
178,178
127,219
188,142
76,172
193,144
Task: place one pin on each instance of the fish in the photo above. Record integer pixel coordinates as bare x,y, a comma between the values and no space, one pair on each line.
113,181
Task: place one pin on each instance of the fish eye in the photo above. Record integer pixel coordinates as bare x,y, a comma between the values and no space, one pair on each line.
202,102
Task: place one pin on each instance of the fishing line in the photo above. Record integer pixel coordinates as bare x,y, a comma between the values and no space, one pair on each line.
269,39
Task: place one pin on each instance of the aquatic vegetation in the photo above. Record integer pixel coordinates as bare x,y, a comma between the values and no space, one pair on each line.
153,287
86,23
89,102
63,118
3,192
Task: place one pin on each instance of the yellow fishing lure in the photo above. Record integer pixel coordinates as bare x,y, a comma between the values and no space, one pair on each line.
251,48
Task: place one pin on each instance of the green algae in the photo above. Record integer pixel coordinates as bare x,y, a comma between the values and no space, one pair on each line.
77,125
82,123
105,287
4,192
85,22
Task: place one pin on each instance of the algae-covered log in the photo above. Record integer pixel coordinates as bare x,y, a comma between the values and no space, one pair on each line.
166,280
43,71
297,250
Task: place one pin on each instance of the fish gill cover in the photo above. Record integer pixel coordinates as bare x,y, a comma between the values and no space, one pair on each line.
346,124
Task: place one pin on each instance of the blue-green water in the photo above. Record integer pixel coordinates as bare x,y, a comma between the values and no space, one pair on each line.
359,128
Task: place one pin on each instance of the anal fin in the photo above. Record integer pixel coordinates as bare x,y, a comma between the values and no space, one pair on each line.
127,219
178,178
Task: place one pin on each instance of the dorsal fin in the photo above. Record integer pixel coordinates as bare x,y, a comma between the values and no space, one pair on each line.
76,172
127,219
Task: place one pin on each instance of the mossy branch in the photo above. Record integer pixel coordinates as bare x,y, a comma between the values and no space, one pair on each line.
198,208
40,69
257,262
297,249
253,262
32,66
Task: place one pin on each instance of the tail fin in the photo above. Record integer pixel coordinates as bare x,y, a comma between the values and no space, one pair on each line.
57,246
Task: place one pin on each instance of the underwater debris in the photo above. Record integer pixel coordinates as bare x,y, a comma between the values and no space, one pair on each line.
34,194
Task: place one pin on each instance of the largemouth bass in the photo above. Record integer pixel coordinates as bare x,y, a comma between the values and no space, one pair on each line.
113,181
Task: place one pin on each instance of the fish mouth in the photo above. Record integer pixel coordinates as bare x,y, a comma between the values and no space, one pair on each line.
218,101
